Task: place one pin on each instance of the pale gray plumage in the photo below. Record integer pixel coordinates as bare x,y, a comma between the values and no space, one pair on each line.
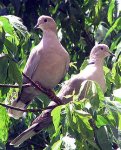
93,71
48,62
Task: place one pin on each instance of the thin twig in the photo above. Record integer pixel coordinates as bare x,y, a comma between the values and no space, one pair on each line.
14,86
26,110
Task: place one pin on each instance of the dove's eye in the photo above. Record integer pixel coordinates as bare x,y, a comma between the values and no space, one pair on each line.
45,20
101,48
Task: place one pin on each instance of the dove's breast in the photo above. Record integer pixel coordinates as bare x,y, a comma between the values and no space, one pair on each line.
95,73
50,70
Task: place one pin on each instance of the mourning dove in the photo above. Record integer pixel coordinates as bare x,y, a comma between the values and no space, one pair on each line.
93,71
47,64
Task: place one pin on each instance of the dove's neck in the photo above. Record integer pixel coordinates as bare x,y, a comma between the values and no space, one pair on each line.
50,33
96,61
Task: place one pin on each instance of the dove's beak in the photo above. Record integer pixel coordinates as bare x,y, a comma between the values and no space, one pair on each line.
111,54
36,26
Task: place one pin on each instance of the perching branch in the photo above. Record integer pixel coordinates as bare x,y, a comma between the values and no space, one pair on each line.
14,86
48,92
26,110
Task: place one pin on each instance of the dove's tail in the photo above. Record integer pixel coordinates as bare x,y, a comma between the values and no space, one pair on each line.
22,102
24,136
42,121
15,113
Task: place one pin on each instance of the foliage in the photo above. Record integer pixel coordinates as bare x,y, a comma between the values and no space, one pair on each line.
92,123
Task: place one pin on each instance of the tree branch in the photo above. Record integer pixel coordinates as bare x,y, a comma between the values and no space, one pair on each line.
26,110
14,86
48,92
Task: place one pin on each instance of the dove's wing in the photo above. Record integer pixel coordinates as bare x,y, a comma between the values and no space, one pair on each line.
33,61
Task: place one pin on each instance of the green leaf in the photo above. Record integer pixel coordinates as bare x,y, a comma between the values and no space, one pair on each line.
113,27
3,68
83,127
116,75
57,145
17,24
117,93
2,37
103,138
98,7
110,11
69,111
11,47
56,117
91,142
93,92
4,124
14,73
116,45
7,26
108,77
100,32
101,121
118,49
84,64
113,105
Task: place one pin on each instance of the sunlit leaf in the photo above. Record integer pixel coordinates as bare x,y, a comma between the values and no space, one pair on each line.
56,145
110,11
117,93
4,119
113,27
101,121
98,7
17,24
7,26
93,92
56,117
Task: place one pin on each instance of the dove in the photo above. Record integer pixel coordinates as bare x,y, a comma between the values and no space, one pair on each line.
47,64
93,71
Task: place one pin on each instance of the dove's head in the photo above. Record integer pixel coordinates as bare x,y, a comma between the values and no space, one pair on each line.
46,23
100,51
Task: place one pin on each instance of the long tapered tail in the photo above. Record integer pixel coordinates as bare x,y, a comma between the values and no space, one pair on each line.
22,102
41,122
24,136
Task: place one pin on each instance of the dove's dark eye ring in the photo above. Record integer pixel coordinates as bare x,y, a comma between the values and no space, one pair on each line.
101,48
45,20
